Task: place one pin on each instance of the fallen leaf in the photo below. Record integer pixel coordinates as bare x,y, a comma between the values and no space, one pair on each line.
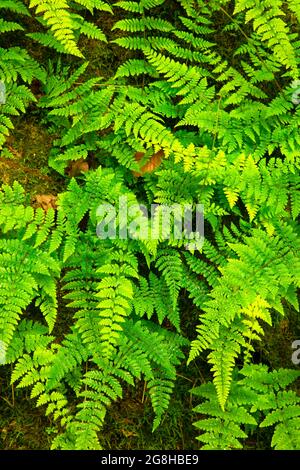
77,166
151,165
45,201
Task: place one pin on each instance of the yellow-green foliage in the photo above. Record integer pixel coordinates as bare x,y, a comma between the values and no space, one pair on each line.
225,122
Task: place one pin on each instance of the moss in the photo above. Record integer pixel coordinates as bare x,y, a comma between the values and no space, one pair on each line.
129,422
276,347
22,427
25,159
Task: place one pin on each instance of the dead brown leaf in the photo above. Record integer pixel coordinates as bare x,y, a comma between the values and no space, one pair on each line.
45,201
76,167
151,165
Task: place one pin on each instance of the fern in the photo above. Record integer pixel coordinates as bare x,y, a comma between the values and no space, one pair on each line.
65,25
225,125
16,66
271,29
224,333
30,269
254,389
